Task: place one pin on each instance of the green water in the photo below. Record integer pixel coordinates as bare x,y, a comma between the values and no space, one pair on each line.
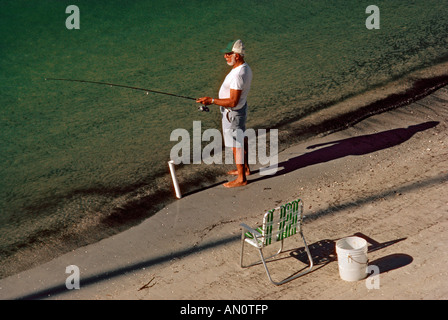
72,153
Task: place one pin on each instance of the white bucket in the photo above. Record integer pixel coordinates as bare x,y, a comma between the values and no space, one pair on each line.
352,258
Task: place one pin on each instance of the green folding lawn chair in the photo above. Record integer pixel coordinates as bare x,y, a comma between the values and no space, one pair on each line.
278,224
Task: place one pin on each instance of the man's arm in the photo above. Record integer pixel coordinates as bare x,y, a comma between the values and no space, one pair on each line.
231,102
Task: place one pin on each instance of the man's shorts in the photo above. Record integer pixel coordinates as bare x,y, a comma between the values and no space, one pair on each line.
234,126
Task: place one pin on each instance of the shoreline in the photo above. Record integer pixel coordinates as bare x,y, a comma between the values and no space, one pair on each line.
385,182
311,127
412,87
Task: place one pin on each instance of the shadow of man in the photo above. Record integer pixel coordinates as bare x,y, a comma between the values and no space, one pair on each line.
351,146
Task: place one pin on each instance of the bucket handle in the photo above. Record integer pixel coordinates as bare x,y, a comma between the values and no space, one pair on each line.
350,257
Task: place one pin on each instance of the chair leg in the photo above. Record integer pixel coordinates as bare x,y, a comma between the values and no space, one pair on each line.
258,262
310,258
242,249
266,268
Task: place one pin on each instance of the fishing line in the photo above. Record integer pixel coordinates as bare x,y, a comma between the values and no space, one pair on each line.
202,107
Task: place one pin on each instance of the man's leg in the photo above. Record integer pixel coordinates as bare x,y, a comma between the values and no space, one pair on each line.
238,154
246,160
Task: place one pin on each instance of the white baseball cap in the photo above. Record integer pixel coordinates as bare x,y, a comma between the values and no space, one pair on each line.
235,46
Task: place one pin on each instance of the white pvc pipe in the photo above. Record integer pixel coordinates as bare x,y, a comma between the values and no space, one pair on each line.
173,176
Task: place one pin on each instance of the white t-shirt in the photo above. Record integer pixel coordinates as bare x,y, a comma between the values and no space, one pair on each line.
238,78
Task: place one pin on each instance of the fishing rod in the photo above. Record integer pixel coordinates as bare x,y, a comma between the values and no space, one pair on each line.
202,107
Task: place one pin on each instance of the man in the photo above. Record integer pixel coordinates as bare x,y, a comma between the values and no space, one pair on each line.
233,105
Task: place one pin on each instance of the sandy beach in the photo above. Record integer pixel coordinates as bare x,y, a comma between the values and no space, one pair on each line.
383,179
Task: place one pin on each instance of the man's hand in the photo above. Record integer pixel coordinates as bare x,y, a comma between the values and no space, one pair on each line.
231,102
205,101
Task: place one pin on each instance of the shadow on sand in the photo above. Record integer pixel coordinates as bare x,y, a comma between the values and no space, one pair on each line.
324,252
355,146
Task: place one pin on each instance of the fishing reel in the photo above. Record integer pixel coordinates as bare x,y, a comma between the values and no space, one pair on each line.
203,108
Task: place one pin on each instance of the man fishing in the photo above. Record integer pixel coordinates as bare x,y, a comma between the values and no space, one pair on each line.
233,106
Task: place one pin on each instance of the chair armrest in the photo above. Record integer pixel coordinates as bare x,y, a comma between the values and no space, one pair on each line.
256,233
253,236
251,230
